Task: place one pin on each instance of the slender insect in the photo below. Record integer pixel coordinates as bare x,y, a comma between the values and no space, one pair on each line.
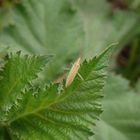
73,72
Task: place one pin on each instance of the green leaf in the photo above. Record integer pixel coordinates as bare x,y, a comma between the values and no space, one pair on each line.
46,27
18,72
105,25
59,112
121,117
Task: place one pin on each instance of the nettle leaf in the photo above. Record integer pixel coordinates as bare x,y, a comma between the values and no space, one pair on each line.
16,75
105,25
121,117
59,112
46,27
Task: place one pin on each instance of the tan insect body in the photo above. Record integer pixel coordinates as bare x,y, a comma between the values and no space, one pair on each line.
73,72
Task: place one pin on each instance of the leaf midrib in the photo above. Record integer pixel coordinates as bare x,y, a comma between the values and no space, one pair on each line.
57,100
